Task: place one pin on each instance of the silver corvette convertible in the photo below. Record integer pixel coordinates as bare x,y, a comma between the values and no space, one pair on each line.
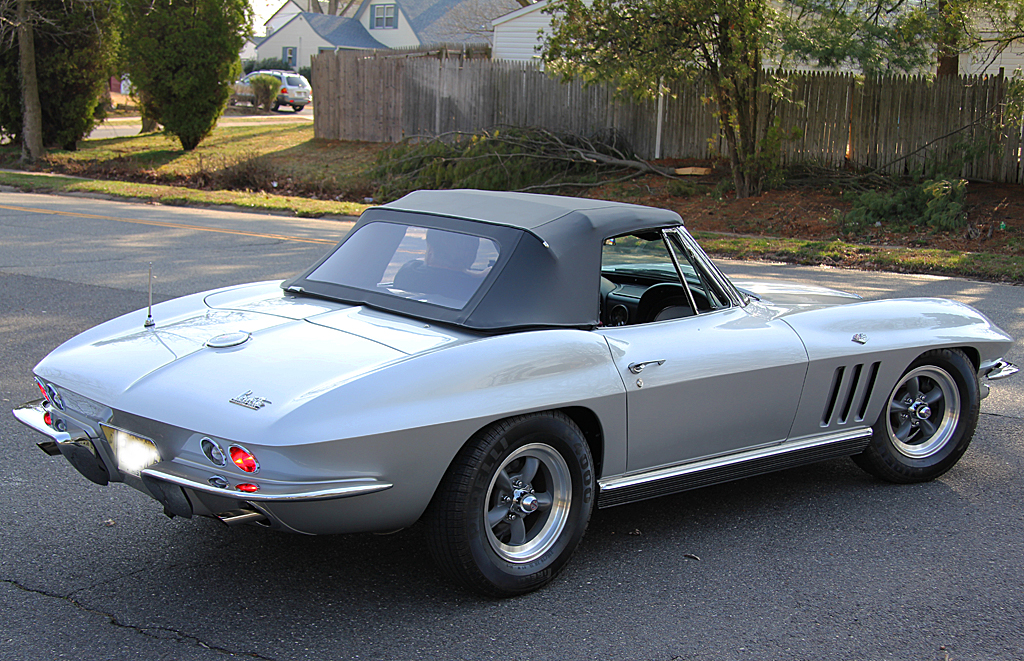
497,365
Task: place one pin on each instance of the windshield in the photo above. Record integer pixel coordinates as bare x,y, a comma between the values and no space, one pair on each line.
435,266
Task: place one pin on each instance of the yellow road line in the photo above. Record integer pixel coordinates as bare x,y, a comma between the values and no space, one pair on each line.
157,223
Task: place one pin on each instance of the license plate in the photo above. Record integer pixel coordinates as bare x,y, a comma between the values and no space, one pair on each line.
133,453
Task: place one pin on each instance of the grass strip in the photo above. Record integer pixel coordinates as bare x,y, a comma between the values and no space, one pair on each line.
977,265
177,196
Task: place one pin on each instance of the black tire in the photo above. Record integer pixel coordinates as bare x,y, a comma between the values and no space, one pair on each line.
928,420
298,108
513,506
275,106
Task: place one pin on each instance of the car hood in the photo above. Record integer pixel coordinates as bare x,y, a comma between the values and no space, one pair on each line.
293,350
780,298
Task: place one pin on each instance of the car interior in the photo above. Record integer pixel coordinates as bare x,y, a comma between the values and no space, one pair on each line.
653,276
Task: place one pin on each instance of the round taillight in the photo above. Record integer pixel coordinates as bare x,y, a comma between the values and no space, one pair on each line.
213,452
248,488
244,459
48,419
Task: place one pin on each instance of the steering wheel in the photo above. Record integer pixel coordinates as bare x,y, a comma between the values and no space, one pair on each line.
665,300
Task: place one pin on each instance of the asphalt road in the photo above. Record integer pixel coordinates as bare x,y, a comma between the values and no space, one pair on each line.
821,562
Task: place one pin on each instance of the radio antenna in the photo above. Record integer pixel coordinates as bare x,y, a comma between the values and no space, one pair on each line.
149,319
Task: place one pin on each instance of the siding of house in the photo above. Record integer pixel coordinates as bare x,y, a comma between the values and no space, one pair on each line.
281,16
295,34
979,64
516,35
398,37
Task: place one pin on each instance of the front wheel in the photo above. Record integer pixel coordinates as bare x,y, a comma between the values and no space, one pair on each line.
514,505
928,420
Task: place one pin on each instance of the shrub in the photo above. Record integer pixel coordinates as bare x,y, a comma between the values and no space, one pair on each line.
182,56
269,64
264,89
939,204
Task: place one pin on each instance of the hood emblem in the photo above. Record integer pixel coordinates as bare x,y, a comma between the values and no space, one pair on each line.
228,340
250,401
860,338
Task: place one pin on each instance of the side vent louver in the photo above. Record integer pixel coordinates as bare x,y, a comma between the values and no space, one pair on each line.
833,393
853,390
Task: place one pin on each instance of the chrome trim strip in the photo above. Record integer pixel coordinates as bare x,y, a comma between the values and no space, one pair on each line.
624,481
353,487
1001,370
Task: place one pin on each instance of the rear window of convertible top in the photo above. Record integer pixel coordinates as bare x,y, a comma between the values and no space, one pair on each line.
430,265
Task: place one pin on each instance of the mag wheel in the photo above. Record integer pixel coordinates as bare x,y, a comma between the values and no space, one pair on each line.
928,420
514,505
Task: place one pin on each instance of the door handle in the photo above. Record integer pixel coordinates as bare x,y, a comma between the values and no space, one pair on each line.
636,368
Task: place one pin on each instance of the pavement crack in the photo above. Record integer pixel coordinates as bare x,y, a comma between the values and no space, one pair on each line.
149,632
1001,415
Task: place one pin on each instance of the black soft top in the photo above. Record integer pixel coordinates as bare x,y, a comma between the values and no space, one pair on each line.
549,271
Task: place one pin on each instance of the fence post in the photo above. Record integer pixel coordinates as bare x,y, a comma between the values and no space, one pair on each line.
661,114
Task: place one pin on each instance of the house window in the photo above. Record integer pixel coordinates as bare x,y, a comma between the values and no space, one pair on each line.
383,17
289,55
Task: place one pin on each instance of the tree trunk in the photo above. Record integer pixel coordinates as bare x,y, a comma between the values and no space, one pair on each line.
949,65
31,109
150,120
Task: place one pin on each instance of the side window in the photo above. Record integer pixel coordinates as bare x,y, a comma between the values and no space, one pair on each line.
651,276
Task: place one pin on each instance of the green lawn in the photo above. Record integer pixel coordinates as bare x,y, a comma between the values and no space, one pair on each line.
282,168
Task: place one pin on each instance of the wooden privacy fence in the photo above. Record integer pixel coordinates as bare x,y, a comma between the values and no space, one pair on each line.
891,124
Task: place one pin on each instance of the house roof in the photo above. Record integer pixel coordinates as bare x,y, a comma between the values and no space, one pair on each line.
281,9
341,31
440,21
519,11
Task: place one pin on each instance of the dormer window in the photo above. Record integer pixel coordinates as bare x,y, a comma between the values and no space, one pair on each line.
383,17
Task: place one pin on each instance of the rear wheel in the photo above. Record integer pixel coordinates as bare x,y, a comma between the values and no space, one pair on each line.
514,505
298,108
928,421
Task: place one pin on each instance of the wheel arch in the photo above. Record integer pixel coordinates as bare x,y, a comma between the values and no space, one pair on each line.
972,354
583,417
593,431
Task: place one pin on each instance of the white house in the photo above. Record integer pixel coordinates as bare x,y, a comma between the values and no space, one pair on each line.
519,34
307,34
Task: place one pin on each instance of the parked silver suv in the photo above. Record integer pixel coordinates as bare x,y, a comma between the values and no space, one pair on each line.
294,91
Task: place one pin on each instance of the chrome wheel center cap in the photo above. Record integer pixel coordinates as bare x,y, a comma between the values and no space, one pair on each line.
920,410
529,504
523,502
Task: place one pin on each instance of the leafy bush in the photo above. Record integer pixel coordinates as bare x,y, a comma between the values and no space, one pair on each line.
269,64
264,89
937,203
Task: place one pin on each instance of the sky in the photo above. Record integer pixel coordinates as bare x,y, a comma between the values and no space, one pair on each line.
263,9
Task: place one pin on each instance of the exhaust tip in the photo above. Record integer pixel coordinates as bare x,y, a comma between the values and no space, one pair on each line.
237,517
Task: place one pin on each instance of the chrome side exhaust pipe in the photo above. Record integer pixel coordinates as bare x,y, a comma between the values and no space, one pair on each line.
236,517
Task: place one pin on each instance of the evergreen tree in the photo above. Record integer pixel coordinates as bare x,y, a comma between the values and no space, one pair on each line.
182,55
